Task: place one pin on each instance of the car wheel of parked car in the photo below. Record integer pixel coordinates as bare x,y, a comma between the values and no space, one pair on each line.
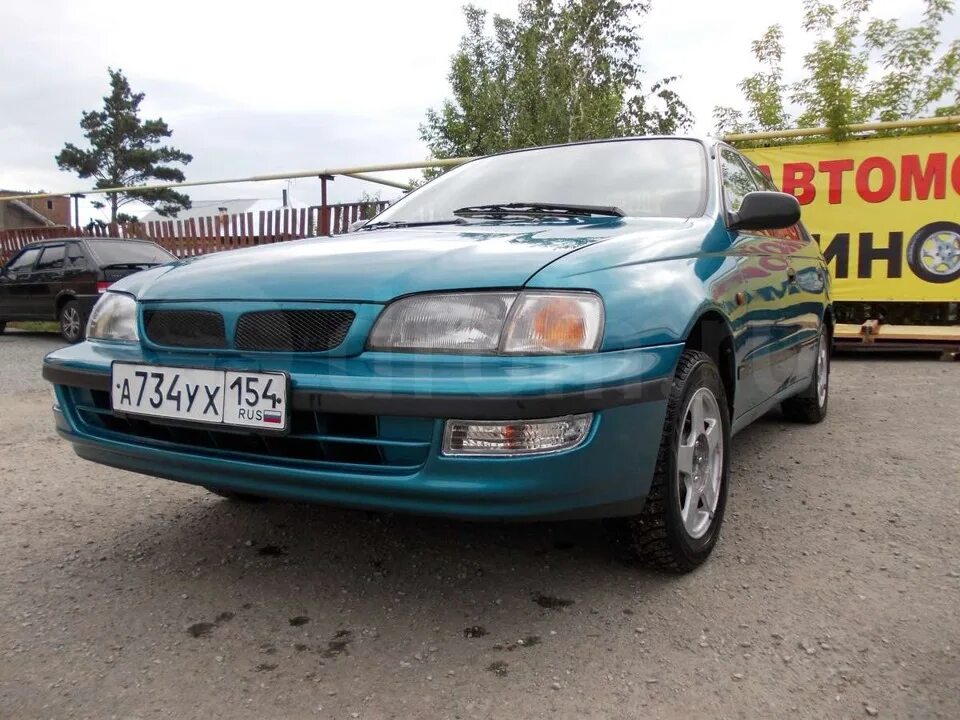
810,406
71,322
679,525
237,496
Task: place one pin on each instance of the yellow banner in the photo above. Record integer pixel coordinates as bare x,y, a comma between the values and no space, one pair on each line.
885,211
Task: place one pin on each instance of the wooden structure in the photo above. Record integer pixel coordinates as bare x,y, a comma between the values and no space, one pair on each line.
198,236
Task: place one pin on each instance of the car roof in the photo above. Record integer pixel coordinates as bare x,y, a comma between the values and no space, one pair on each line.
80,238
708,141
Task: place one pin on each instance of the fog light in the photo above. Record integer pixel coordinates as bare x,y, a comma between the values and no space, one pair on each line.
521,437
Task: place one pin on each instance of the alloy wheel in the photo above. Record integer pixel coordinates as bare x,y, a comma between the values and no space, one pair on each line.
70,322
700,462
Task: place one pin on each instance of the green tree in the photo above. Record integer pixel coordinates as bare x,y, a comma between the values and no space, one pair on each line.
859,69
126,150
564,70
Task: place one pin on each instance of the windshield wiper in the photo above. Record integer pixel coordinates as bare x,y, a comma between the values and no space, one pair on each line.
537,209
383,224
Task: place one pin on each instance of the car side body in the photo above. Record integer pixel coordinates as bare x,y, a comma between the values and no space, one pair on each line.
368,427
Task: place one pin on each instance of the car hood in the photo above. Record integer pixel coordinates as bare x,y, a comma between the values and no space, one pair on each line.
378,265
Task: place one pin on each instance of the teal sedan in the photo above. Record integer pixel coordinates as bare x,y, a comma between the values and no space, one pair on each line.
566,331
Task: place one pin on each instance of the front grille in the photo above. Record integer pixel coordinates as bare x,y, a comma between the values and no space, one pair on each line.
316,441
293,330
185,328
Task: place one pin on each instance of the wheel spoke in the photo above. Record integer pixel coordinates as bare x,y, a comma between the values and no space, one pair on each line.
685,459
689,510
697,422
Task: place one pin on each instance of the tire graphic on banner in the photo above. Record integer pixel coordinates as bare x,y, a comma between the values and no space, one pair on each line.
934,252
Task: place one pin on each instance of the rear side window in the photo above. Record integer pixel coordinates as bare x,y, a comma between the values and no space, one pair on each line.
51,258
737,180
76,260
24,261
128,252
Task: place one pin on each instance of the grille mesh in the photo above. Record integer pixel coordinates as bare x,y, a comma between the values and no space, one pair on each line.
293,330
185,328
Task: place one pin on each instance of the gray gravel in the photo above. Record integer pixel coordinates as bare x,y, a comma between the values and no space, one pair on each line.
834,590
21,354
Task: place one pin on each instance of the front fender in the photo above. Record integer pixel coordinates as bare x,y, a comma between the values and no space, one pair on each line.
653,300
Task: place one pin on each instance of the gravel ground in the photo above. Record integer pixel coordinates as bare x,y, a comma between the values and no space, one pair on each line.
834,590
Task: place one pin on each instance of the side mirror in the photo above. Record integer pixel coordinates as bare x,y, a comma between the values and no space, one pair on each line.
763,210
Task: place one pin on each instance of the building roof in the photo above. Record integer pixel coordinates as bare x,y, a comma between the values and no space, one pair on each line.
205,208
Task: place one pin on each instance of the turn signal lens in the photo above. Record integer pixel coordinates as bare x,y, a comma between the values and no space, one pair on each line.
520,437
555,323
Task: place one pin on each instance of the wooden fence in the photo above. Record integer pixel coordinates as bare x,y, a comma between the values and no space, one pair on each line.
198,236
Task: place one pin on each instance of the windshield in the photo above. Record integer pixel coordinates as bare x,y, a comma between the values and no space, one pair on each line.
643,178
116,252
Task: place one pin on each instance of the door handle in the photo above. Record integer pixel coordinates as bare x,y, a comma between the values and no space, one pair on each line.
791,275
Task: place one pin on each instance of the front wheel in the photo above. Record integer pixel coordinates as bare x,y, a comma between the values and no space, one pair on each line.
71,322
680,523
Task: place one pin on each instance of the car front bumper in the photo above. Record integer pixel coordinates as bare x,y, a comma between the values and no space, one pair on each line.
408,398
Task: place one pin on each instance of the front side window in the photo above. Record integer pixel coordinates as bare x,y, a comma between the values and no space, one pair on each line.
737,181
643,178
24,261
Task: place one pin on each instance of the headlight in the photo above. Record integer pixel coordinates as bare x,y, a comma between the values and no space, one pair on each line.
526,323
114,317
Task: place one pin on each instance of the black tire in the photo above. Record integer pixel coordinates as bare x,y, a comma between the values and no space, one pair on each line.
915,246
237,496
73,322
657,536
3,326
808,406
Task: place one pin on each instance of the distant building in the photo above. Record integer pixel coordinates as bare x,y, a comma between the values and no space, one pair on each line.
208,208
33,212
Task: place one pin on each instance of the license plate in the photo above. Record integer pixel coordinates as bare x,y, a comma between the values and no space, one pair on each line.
227,397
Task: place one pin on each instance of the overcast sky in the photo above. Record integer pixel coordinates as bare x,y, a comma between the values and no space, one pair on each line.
266,87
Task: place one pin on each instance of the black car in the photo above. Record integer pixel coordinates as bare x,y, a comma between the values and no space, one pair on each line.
62,279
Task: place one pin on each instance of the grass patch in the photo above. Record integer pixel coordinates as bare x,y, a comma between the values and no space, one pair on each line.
35,326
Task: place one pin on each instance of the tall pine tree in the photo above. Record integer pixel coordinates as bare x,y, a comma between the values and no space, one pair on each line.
126,150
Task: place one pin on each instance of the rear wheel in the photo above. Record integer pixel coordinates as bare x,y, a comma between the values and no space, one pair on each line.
680,523
72,322
810,406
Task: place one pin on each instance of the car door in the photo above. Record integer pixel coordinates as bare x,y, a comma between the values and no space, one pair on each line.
764,365
15,296
807,288
47,280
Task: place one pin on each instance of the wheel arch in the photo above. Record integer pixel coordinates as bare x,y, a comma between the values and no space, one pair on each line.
62,299
711,333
